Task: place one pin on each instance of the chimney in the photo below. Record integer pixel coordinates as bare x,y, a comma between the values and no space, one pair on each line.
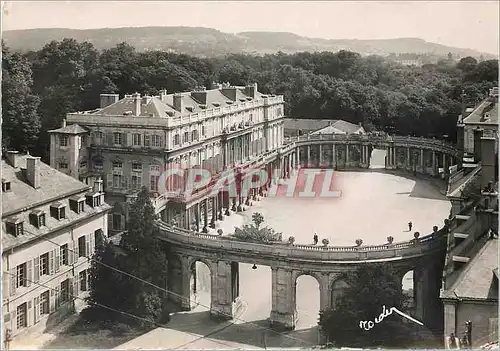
33,171
137,104
97,188
63,123
251,90
478,133
229,92
109,99
163,95
13,157
179,102
146,99
488,159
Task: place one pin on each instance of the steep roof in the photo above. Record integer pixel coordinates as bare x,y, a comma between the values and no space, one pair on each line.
73,129
163,107
53,185
306,124
477,280
488,107
340,127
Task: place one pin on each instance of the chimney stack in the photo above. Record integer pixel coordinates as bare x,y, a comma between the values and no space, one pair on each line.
97,188
487,160
109,99
13,157
478,133
137,104
33,171
63,124
163,95
179,102
251,90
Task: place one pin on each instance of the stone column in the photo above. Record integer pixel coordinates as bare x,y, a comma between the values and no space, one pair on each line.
205,216
220,205
434,165
324,293
422,163
320,157
408,158
308,161
394,158
445,165
197,215
283,307
222,290
334,156
214,212
185,298
346,155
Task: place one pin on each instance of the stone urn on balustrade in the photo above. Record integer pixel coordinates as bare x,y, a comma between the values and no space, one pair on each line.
220,232
417,237
359,242
390,240
325,242
291,240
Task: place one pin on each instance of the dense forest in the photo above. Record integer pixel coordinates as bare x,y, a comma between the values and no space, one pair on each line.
40,87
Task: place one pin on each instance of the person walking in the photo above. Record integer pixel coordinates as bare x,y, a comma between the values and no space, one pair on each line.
315,239
452,342
410,225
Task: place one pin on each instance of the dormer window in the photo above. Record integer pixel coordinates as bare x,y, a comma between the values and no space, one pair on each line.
216,104
190,108
37,218
14,226
57,211
93,199
5,185
77,204
63,140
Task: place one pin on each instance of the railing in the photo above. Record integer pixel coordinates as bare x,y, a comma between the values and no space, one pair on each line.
215,242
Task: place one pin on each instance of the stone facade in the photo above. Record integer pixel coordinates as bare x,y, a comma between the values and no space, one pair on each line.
50,223
130,142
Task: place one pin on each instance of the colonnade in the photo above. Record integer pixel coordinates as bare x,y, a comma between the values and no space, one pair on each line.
344,156
226,299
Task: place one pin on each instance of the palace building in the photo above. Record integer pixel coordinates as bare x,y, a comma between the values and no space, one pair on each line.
50,224
130,141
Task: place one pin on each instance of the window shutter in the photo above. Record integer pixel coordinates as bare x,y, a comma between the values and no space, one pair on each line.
92,244
122,222
72,288
76,286
57,259
110,221
12,282
146,140
124,182
109,181
29,273
75,252
124,139
36,270
36,308
162,143
57,299
52,301
87,246
51,261
109,139
70,253
13,318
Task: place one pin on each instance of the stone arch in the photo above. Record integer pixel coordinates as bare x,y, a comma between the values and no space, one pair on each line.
200,285
306,320
337,286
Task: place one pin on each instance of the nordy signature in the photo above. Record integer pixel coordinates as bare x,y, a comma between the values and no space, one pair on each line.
367,325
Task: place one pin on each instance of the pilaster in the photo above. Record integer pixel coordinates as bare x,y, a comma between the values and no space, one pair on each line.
283,307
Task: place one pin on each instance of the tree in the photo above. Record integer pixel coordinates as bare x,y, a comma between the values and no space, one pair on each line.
369,288
146,259
104,285
21,122
255,233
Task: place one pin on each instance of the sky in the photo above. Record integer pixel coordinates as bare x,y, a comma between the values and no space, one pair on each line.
464,24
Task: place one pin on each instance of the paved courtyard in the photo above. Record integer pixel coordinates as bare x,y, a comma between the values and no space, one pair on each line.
373,206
